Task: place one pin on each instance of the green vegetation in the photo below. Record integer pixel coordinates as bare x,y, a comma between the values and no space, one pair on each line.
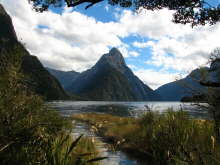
62,150
170,138
39,79
30,132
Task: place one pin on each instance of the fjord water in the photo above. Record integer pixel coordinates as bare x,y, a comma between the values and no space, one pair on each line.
124,109
132,109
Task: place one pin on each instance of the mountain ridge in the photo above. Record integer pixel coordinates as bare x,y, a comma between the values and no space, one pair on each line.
112,62
65,77
186,87
42,82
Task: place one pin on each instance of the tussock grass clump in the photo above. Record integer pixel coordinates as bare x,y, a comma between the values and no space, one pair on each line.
30,132
64,150
170,138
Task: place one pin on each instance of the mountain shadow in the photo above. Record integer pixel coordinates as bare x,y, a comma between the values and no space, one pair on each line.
110,79
39,79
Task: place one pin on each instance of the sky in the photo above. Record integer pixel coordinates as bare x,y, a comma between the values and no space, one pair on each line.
157,50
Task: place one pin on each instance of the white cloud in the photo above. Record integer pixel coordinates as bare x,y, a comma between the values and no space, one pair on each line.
152,24
134,53
154,79
76,41
124,50
72,40
140,44
107,7
173,46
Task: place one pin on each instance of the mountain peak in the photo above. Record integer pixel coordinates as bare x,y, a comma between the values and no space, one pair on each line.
113,58
115,51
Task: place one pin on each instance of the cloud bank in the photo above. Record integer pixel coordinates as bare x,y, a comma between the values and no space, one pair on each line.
74,41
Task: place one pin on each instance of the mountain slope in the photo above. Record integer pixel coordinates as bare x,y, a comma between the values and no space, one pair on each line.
7,32
42,82
186,87
65,78
108,84
113,77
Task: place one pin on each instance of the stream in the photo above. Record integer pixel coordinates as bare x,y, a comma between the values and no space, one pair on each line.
123,109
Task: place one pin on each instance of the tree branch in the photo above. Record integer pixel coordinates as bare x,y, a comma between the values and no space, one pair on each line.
210,84
73,4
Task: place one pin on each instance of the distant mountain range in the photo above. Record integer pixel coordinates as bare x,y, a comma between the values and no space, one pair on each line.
186,87
109,79
40,80
65,78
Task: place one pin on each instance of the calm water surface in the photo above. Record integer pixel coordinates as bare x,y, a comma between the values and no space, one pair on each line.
124,108
132,109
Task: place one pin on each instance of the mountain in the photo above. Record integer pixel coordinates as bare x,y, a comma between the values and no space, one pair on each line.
65,78
183,88
40,80
111,79
7,32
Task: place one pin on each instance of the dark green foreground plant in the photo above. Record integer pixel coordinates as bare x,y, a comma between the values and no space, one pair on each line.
30,132
174,138
63,150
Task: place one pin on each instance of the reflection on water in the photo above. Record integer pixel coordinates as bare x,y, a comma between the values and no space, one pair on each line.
132,109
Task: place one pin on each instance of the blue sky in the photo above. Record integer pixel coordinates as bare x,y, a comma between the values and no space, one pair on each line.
157,50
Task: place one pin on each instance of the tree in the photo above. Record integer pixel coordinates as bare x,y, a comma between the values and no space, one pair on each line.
194,12
214,59
213,95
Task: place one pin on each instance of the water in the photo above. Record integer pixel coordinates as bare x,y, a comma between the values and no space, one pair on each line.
114,158
132,109
125,109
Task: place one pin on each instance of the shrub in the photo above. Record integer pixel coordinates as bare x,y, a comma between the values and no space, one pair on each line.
30,132
169,138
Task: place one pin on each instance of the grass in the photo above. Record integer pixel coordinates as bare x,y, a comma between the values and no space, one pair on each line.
65,150
30,132
171,138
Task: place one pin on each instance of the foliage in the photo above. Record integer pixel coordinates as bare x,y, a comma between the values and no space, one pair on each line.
30,132
63,150
24,120
195,12
170,138
214,55
211,80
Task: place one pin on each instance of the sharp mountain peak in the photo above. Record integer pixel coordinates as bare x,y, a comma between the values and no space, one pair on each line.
114,58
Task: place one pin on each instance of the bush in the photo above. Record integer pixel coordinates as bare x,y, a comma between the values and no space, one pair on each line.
64,150
25,122
30,132
175,138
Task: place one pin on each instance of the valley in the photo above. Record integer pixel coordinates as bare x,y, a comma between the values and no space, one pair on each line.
105,114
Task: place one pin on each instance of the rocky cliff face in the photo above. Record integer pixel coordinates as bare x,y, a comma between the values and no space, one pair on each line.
42,82
112,71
